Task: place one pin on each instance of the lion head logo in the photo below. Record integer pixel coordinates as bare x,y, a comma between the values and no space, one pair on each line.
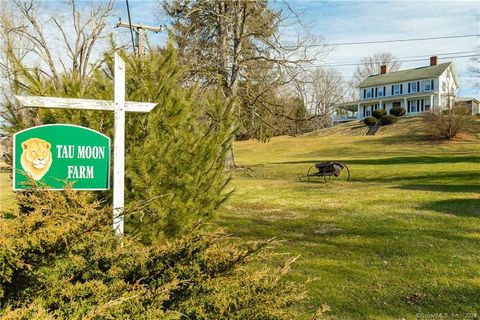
36,157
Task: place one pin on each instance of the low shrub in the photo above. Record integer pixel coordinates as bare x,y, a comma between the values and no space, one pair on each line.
379,113
448,123
388,119
370,121
398,111
61,260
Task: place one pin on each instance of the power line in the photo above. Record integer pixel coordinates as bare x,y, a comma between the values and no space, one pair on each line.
409,57
400,60
401,40
131,30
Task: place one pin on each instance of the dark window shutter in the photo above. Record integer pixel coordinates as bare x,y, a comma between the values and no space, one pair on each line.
392,90
423,102
376,92
432,85
401,88
372,92
364,95
384,94
408,108
409,87
418,86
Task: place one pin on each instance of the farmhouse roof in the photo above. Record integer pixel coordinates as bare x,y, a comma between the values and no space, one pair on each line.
405,75
466,99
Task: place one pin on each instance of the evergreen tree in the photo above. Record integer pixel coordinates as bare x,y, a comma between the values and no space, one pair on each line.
174,155
178,165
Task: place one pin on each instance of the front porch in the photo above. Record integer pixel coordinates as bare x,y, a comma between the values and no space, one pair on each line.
412,105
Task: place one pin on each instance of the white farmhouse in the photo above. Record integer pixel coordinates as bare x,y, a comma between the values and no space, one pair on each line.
416,90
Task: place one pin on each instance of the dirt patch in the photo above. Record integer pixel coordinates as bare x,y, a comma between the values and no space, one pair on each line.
327,228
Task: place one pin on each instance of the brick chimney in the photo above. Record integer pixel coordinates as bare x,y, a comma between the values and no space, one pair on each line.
433,61
383,69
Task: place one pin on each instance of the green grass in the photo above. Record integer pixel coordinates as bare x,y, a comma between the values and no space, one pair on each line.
7,198
401,238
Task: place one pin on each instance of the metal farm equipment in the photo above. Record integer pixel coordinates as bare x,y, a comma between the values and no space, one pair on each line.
328,170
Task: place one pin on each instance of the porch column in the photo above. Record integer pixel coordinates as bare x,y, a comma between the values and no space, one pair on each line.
359,116
380,104
405,105
431,102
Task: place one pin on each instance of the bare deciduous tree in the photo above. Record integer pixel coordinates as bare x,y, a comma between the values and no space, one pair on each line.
80,30
320,90
474,69
53,43
12,45
446,124
370,66
450,119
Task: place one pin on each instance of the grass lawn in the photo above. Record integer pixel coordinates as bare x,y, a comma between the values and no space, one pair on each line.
7,198
401,238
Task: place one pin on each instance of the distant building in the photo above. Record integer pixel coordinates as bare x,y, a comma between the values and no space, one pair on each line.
472,104
416,90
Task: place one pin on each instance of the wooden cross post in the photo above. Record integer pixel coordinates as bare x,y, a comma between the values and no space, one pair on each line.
119,145
119,106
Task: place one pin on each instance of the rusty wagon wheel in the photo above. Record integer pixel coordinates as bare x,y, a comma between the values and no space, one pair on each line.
313,174
336,170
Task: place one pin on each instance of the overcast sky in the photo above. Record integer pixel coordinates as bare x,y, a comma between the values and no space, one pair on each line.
357,21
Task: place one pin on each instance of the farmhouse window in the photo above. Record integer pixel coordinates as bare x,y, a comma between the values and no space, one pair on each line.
413,86
397,89
427,104
381,92
413,106
427,85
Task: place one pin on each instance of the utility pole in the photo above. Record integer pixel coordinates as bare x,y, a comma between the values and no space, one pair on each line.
140,32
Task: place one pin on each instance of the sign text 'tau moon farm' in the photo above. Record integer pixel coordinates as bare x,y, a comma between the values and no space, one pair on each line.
58,153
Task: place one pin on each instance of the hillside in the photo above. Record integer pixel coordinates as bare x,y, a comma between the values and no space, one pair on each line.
401,238
404,126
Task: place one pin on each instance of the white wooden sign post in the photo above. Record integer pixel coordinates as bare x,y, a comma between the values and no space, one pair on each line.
119,106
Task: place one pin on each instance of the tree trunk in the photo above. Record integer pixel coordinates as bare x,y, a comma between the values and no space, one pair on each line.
230,159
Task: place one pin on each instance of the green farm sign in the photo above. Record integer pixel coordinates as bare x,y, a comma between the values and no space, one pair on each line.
58,153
